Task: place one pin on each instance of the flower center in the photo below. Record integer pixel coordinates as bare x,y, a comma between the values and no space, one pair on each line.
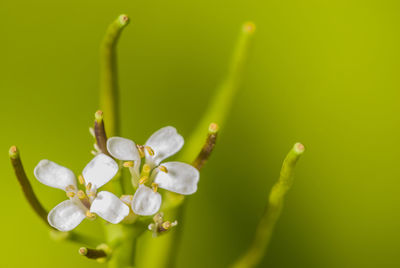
145,172
83,198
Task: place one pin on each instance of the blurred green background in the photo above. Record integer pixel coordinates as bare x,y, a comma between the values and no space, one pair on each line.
321,72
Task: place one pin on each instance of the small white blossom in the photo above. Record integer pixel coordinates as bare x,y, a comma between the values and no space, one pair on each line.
176,177
70,213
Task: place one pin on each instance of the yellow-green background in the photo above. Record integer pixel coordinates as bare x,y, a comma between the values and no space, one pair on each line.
325,73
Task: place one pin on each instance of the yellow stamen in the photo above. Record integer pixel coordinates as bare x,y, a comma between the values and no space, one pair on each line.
145,171
149,150
158,218
154,186
128,164
89,186
81,179
141,150
90,215
70,194
143,179
146,168
70,188
81,194
166,225
83,198
92,194
163,169
127,199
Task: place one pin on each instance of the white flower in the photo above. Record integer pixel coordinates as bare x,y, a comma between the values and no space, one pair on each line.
176,177
70,213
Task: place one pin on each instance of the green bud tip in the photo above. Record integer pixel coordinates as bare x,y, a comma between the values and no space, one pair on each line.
249,27
83,251
123,19
99,116
13,152
213,128
299,148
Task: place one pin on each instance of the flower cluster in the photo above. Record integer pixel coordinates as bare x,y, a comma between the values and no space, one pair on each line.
148,175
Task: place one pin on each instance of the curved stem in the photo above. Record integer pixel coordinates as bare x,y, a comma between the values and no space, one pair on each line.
262,237
26,186
109,105
109,75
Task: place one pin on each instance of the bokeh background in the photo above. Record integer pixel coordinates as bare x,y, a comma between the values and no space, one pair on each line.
325,73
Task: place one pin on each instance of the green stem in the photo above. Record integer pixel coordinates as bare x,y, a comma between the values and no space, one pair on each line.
165,246
108,74
26,186
221,103
109,91
258,248
123,242
119,238
157,251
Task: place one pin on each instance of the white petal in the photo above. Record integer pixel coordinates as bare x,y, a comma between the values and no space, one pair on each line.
109,207
165,143
122,149
66,216
146,202
54,175
181,178
100,170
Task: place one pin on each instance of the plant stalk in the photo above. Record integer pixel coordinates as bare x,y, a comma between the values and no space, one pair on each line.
255,253
26,185
109,102
166,246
